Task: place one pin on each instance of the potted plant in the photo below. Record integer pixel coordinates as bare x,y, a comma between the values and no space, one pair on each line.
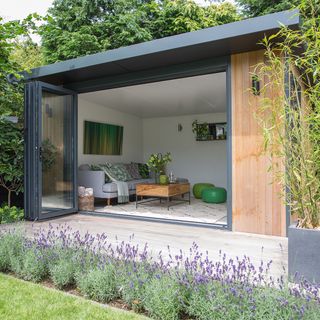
201,130
291,127
157,164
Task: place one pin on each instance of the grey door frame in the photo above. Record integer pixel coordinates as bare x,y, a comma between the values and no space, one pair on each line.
214,65
33,138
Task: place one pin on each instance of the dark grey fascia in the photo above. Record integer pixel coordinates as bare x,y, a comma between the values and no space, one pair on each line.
207,43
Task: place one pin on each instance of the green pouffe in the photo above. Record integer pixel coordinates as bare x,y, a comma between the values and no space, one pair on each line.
199,187
214,195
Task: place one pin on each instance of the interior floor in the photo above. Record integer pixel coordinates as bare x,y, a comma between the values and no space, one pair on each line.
198,211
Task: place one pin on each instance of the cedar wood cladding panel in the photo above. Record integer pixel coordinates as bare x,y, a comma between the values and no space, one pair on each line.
256,206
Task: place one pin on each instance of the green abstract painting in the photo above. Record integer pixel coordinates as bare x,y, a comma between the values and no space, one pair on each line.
102,138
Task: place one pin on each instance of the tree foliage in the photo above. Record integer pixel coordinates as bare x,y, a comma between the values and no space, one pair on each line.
291,117
254,8
11,157
10,96
80,27
16,53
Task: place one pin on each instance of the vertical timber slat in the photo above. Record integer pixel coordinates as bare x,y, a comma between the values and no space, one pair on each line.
256,205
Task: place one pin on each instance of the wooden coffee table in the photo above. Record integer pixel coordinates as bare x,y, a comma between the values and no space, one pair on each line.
159,192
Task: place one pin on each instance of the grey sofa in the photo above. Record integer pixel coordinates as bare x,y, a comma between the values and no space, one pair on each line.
96,180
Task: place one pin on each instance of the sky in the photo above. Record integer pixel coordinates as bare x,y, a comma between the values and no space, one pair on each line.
19,9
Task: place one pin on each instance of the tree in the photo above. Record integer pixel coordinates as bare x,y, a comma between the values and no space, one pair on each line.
11,157
254,8
26,55
79,27
15,56
17,53
10,96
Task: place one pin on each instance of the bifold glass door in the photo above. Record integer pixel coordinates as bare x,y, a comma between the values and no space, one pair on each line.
53,130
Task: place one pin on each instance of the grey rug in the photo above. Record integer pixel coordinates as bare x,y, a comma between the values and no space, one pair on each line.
197,211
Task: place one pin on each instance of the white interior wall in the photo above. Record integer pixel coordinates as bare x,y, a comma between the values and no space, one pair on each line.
132,132
199,161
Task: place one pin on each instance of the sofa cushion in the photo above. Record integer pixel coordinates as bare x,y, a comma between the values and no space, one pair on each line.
143,170
117,172
133,170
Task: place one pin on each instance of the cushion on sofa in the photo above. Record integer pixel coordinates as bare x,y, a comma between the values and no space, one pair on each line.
143,170
117,172
133,170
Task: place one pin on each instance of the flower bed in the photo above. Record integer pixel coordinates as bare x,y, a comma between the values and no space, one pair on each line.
181,286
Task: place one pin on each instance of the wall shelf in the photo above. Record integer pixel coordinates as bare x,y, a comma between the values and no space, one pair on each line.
216,131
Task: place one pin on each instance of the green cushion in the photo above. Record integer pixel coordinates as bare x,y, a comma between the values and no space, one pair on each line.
144,170
198,187
117,172
214,195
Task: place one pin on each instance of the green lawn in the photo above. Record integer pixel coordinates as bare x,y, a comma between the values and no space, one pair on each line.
24,300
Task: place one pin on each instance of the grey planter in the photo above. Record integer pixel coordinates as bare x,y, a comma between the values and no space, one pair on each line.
304,253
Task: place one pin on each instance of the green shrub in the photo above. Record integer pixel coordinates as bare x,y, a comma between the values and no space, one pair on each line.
10,214
99,284
34,266
63,273
161,298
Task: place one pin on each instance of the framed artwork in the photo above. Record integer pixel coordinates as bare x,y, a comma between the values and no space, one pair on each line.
102,138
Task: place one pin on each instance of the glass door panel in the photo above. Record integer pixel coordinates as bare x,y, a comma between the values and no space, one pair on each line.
50,151
56,152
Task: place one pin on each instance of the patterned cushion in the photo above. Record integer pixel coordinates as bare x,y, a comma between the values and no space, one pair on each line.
100,167
117,172
144,170
133,170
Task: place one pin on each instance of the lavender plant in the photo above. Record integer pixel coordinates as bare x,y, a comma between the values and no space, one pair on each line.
161,298
167,286
33,264
99,284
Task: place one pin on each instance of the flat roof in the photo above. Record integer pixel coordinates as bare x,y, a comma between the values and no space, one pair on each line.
222,40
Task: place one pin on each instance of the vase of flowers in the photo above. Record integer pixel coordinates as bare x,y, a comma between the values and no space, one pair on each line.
157,164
